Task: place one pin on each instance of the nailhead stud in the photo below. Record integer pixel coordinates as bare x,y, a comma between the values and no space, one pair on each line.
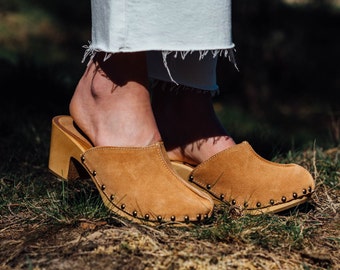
112,197
245,205
295,195
186,219
258,204
222,197
134,213
208,186
310,189
103,187
304,191
94,173
199,217
159,218
173,218
272,202
233,202
283,199
123,206
206,216
191,178
147,217
82,158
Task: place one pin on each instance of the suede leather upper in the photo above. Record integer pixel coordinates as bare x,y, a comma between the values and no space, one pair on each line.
140,182
241,177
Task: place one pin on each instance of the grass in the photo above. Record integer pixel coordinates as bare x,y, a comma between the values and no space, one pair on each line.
293,228
32,198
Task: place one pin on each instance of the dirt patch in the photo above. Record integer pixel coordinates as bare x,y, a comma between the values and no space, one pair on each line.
117,244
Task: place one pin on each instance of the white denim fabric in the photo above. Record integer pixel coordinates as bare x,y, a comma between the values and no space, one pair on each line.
182,37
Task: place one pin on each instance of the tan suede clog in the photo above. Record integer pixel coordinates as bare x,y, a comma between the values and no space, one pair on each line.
240,177
138,183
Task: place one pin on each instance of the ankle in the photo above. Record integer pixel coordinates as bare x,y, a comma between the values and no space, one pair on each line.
189,125
185,116
113,114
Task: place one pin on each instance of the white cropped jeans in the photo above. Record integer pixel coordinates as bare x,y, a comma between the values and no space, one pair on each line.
182,38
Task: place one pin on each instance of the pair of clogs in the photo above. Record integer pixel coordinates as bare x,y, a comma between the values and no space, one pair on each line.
143,185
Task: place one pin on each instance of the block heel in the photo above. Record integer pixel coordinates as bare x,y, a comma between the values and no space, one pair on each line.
65,153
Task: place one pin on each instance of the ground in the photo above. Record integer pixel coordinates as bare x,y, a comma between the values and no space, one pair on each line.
32,240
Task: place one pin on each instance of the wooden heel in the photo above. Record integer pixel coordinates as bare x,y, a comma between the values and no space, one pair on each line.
64,159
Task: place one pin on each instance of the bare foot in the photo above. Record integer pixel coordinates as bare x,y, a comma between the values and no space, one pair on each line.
111,103
188,124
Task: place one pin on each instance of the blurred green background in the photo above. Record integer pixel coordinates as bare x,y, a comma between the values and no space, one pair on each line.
284,97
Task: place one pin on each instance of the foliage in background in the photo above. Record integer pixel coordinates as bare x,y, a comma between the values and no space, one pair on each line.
284,96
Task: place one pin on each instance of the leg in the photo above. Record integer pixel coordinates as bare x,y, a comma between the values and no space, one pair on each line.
111,103
189,126
185,116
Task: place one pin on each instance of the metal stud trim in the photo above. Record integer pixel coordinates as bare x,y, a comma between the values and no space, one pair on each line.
258,204
233,202
159,218
283,199
222,197
272,202
295,195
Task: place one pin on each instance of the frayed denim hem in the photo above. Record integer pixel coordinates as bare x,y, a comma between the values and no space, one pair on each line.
229,53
